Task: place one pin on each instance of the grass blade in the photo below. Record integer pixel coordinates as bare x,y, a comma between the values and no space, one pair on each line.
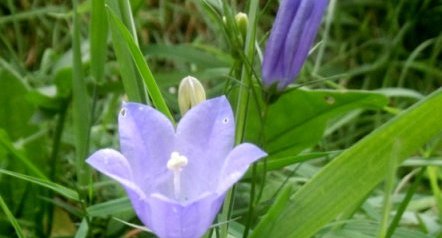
98,38
83,229
6,143
81,105
11,218
352,175
118,29
64,191
110,207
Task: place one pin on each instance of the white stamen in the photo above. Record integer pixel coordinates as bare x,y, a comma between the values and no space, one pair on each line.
176,164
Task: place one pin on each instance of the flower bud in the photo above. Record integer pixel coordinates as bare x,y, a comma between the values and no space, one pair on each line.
292,35
242,21
190,93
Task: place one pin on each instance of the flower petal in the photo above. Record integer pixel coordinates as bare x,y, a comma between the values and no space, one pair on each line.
272,67
302,33
147,139
167,218
236,165
113,164
291,38
205,135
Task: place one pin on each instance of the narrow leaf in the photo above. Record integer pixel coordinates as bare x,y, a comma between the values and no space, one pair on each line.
352,175
83,229
11,218
81,104
66,192
118,28
110,207
98,39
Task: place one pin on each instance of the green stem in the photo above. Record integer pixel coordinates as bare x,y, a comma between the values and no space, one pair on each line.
242,103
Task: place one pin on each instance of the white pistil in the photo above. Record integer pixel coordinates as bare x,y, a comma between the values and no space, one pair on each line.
176,164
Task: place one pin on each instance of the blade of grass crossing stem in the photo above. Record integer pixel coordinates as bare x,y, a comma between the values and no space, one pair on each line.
11,218
98,39
64,191
81,105
352,175
119,29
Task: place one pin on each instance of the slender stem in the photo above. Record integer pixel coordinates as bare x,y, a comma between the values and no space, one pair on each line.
243,102
251,203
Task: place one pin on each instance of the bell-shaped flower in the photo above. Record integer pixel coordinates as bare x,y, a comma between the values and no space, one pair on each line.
291,38
176,178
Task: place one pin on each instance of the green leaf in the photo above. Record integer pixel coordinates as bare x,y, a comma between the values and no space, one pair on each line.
202,56
118,29
9,147
132,83
11,218
12,97
98,39
110,207
282,201
81,104
369,229
83,229
66,192
348,179
297,120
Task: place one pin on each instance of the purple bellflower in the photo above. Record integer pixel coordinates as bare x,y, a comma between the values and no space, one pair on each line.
292,35
177,178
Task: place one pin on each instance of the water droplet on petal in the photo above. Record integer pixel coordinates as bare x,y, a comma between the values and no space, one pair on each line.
225,120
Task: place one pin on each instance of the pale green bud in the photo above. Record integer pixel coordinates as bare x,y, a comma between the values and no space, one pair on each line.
242,21
190,93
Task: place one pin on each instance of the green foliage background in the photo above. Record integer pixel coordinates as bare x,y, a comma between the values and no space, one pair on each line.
354,146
